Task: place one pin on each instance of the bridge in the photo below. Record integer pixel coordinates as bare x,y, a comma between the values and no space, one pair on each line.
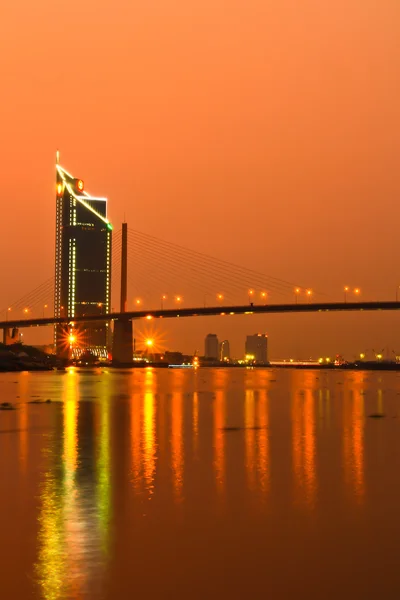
165,273
247,309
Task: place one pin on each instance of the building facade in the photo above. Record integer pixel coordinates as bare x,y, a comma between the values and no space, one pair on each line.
224,351
256,347
83,267
211,346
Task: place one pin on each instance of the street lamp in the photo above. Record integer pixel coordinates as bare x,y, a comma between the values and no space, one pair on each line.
44,308
7,311
26,310
251,294
220,297
296,294
309,294
178,299
346,289
138,302
264,295
163,297
357,291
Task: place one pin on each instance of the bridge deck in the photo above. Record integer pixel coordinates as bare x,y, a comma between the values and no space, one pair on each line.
209,311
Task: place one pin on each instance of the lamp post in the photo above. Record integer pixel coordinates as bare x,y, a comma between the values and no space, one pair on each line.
264,296
163,297
309,294
296,294
346,289
251,294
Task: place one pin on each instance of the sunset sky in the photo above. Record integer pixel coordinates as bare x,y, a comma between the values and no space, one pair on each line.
262,132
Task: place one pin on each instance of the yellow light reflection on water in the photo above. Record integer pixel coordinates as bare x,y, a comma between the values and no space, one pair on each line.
250,437
195,419
219,438
304,438
136,450
177,443
149,441
103,487
263,442
310,478
353,437
58,535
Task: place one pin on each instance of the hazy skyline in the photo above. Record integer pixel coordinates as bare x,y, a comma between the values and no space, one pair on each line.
263,133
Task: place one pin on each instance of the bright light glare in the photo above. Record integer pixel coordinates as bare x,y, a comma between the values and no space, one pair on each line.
149,343
71,339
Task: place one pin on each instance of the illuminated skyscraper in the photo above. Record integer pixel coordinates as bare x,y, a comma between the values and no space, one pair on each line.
83,266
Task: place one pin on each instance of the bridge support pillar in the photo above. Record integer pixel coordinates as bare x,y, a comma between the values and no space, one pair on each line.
10,336
122,352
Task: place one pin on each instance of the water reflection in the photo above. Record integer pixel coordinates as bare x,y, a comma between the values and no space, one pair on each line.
353,436
177,456
250,437
263,442
195,447
136,450
304,439
75,499
219,439
195,422
149,452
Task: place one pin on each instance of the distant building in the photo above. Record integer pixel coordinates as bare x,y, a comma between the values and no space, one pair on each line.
257,347
211,346
224,351
83,267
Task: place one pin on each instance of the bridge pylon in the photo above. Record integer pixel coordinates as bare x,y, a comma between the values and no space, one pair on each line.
122,350
10,336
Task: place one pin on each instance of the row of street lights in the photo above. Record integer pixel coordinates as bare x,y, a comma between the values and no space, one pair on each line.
26,311
251,296
346,290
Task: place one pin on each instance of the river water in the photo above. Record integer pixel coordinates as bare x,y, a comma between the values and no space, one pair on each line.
214,483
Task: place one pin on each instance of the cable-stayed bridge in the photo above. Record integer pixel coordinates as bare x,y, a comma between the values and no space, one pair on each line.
166,280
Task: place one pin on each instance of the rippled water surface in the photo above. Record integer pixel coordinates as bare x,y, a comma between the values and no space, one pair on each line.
200,484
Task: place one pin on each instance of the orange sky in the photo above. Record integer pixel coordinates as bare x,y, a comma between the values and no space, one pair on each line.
262,132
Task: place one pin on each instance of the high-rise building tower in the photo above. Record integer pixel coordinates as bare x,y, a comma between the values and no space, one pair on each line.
83,267
257,347
224,351
211,346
